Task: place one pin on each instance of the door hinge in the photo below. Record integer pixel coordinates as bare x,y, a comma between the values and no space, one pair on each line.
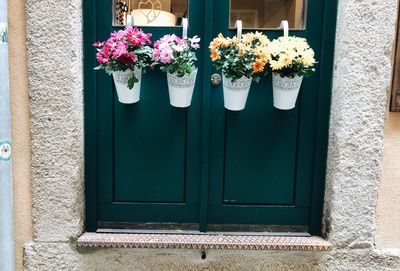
3,33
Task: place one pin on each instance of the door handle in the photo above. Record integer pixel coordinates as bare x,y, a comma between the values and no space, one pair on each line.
216,79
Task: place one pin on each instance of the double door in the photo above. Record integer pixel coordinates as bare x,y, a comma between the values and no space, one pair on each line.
204,167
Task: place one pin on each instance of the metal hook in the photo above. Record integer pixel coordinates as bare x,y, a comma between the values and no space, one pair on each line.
185,25
285,27
239,26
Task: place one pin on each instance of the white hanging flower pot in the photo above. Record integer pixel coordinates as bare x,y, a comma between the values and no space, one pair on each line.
235,93
126,95
181,88
285,90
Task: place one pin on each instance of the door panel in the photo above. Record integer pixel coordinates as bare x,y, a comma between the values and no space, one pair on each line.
147,139
148,152
261,156
260,153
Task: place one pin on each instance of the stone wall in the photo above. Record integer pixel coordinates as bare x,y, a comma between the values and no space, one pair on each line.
365,34
54,34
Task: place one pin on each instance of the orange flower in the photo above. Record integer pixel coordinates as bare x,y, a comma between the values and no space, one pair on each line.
258,66
215,55
224,43
214,45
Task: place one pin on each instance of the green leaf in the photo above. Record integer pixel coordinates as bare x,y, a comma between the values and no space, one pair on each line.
132,81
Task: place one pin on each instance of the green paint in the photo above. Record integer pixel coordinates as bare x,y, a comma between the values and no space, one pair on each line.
150,162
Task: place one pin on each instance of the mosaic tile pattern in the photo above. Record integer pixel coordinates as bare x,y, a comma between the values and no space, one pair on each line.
202,241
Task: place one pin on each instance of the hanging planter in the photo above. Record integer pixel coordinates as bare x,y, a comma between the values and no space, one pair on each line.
291,60
124,55
125,94
176,58
236,92
285,91
181,88
241,60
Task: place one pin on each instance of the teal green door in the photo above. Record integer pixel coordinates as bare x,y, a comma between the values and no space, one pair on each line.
205,166
261,170
148,154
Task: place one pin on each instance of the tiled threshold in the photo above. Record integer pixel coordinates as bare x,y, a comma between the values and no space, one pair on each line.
202,242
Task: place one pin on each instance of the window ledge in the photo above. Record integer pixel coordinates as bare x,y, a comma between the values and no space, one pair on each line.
202,241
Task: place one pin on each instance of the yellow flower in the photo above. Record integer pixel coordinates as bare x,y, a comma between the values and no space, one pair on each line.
250,37
261,38
276,65
243,48
233,41
262,53
308,58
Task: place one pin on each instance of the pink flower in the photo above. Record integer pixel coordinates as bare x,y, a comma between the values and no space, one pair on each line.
156,55
166,56
119,48
178,40
118,35
169,38
103,57
157,43
98,44
137,37
171,47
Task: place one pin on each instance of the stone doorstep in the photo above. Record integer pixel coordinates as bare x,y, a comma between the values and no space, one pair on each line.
202,242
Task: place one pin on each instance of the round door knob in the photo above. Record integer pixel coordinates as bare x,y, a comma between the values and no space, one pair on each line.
216,79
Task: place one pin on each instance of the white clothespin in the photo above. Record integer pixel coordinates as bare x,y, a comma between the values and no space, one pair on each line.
239,27
185,25
285,27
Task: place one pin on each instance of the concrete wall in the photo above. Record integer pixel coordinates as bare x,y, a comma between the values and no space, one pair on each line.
20,128
365,28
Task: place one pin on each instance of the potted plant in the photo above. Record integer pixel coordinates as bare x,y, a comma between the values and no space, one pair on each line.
241,61
291,60
124,55
176,57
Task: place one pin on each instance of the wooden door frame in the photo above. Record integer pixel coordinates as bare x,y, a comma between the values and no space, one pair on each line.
395,92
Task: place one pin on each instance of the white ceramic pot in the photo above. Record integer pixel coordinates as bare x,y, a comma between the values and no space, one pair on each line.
236,93
285,90
126,95
181,88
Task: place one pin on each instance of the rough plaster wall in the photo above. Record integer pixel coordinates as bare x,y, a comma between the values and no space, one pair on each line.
55,88
47,257
361,77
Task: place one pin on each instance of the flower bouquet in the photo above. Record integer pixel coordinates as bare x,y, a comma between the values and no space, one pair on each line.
176,57
241,61
124,55
291,60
